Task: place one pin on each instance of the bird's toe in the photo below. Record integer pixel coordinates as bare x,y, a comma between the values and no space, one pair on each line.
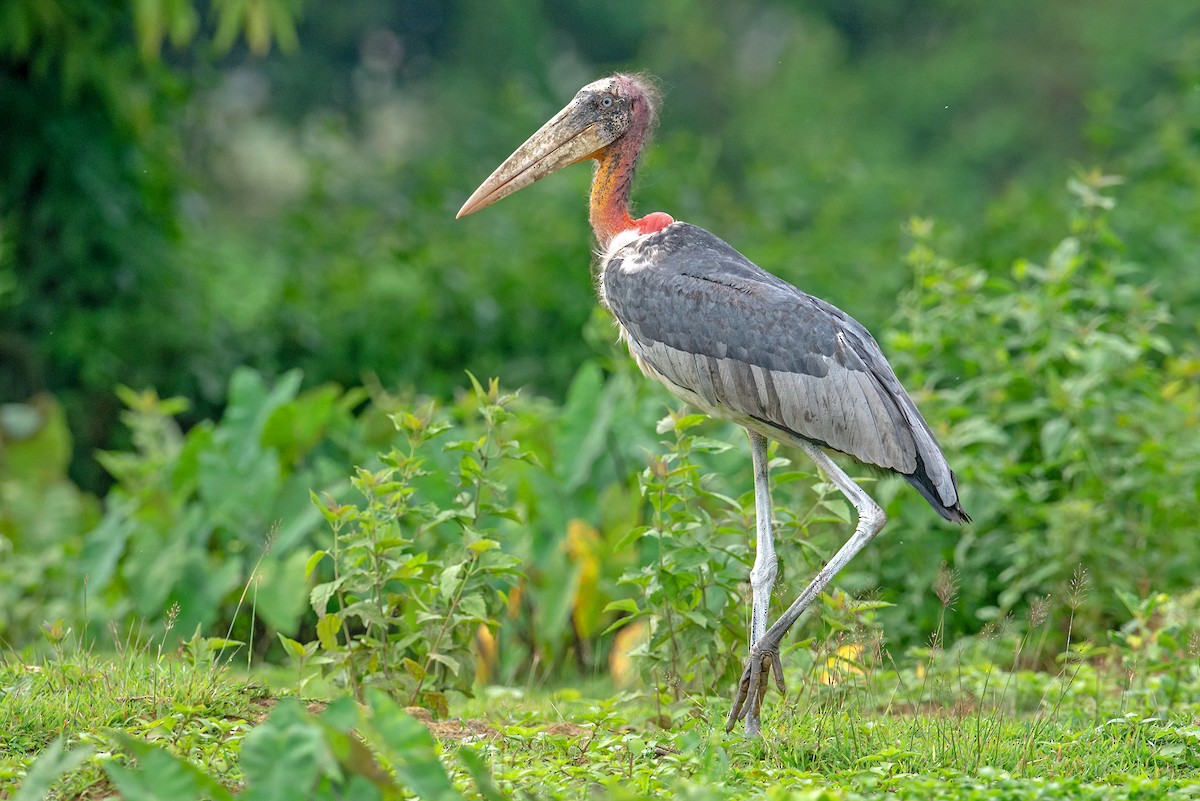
752,686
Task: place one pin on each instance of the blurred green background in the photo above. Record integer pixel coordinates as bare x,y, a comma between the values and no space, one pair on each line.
199,198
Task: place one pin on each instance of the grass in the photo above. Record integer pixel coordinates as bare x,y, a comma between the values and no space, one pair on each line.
842,741
844,753
973,721
189,707
857,725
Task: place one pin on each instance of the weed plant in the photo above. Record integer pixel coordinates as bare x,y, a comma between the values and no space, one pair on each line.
688,584
393,614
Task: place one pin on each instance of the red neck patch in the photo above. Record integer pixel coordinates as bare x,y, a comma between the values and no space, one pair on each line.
653,222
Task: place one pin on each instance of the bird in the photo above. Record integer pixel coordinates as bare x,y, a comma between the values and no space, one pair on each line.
738,343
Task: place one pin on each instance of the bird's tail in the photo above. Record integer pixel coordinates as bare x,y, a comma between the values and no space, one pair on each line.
924,485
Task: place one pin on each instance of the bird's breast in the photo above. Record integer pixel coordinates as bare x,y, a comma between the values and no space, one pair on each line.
627,249
628,253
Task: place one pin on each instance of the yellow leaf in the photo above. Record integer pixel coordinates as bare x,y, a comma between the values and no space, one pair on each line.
843,664
327,628
851,652
489,653
620,663
581,546
514,600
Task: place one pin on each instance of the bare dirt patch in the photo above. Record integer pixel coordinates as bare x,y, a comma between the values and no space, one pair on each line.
464,728
455,729
262,708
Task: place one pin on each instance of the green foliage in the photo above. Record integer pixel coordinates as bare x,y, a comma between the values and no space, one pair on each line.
1057,392
582,507
376,753
319,757
1067,411
219,517
1158,647
158,234
403,618
43,516
1060,398
694,560
90,179
51,764
318,233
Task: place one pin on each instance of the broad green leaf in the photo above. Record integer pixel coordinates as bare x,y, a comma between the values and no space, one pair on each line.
583,426
52,763
1054,436
160,775
838,507
473,607
293,647
320,595
619,624
709,445
279,590
312,563
409,748
217,643
285,756
449,661
622,605
328,627
478,770
684,422
449,581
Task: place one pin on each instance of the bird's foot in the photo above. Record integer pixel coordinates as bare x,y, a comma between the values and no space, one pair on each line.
752,686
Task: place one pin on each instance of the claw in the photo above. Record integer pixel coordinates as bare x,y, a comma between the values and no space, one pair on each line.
777,666
751,688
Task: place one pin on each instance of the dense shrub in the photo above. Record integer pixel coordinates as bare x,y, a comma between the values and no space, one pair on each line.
317,233
1070,416
163,222
90,177
43,517
1066,411
194,515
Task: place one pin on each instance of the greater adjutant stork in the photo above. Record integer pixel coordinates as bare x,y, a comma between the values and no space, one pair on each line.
736,342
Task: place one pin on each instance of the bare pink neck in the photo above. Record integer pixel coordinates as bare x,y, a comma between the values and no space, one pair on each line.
611,184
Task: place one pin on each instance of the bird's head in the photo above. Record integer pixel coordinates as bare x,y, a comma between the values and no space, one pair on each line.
600,114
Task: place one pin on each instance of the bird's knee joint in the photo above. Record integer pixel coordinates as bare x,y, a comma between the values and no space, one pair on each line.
763,574
876,518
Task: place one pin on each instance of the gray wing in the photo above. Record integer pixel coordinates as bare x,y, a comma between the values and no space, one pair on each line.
746,345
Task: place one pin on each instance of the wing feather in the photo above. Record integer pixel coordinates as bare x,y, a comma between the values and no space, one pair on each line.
743,344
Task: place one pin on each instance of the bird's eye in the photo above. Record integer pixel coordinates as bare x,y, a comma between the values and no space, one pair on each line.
606,101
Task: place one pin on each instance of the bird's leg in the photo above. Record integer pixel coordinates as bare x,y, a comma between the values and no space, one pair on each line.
762,575
764,653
